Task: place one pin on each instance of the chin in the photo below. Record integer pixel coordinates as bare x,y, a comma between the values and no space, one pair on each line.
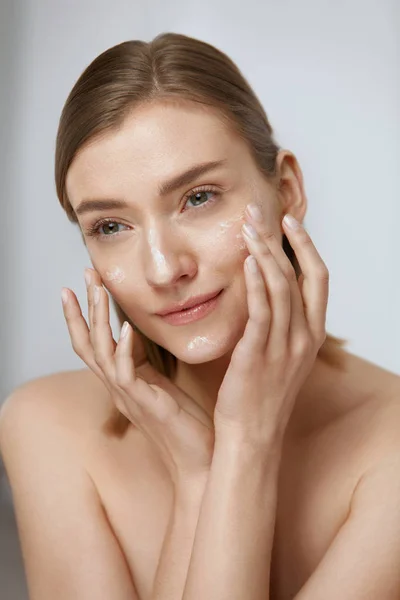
209,339
205,346
198,351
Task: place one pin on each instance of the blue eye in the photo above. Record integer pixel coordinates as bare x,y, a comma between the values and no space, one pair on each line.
93,230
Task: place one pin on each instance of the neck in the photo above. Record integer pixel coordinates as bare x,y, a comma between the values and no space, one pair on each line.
202,381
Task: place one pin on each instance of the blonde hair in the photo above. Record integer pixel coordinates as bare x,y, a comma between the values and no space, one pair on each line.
170,67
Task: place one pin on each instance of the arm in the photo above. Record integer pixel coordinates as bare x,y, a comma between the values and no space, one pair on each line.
232,549
177,548
363,561
68,548
233,543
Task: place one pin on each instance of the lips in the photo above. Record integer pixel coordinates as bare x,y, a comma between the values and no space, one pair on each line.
192,302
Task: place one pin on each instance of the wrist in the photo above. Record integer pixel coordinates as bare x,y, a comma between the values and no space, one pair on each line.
237,440
190,488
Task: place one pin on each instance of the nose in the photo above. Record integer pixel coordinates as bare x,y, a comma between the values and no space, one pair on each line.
166,257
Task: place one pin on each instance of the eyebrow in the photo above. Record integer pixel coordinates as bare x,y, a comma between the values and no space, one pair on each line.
165,188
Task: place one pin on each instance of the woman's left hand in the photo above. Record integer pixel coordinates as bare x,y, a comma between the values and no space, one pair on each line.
285,329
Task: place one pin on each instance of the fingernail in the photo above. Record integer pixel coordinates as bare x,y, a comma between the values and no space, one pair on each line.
96,294
254,212
124,329
88,277
251,264
291,222
250,231
64,296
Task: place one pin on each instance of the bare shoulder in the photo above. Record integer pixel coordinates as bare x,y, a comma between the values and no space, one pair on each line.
372,423
72,398
65,409
45,428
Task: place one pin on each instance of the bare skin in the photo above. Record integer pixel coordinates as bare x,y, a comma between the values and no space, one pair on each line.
322,461
100,507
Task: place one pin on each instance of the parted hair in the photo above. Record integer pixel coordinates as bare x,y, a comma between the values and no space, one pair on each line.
170,67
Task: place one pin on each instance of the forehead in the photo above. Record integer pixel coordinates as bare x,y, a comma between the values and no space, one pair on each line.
153,143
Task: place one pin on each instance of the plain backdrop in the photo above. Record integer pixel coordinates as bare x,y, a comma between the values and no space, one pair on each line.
327,74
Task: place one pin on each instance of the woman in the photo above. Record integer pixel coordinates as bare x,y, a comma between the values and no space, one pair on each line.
234,450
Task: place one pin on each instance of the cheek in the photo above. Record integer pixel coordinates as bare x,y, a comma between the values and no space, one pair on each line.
115,278
113,275
222,245
123,286
228,245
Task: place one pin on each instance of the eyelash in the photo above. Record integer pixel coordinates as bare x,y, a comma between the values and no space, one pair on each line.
93,229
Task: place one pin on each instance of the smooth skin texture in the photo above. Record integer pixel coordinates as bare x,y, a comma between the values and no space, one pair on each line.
261,361
207,557
191,262
199,256
256,398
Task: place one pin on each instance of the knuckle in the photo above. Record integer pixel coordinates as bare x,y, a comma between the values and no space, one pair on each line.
100,358
71,320
123,379
280,286
77,348
301,346
262,315
240,356
265,250
323,273
269,236
290,273
305,237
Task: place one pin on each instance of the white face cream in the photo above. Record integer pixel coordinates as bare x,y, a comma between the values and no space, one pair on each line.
199,342
225,226
158,256
115,274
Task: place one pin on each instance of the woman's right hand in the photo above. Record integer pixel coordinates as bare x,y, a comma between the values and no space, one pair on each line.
182,431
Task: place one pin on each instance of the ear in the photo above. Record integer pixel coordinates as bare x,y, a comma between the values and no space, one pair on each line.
290,190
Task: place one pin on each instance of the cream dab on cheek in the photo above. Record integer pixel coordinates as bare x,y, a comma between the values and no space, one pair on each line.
115,274
225,226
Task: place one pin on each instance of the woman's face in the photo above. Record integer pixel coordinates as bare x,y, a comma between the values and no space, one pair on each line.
162,249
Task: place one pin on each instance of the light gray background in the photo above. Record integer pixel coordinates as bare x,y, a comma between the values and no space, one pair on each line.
327,74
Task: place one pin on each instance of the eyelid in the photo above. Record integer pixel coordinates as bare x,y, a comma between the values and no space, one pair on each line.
211,188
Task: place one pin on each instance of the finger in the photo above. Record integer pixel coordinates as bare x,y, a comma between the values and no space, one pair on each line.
298,327
125,371
89,286
278,292
138,393
315,283
257,328
102,339
79,333
125,375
